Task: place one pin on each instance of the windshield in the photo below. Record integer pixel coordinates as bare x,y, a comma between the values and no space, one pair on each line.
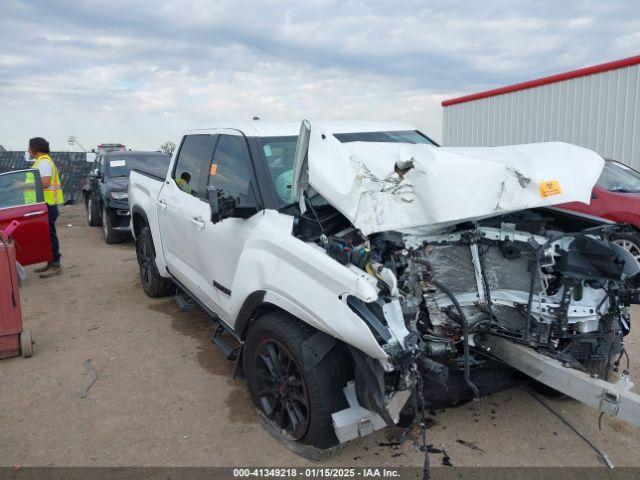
407,136
279,152
120,166
616,177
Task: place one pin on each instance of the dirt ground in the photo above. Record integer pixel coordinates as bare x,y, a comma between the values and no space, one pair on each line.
165,395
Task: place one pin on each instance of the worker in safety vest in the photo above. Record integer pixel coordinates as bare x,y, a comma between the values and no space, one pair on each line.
183,182
30,196
50,179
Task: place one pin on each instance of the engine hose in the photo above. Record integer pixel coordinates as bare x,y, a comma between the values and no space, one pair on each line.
532,284
465,326
465,338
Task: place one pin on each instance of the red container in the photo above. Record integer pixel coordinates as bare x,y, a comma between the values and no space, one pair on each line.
13,341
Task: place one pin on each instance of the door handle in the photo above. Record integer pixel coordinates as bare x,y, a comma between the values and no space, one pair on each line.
33,214
161,203
198,222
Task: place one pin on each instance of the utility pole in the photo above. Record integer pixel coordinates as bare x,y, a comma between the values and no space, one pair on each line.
74,141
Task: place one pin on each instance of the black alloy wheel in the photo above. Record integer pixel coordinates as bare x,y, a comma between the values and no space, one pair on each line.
281,388
153,284
144,261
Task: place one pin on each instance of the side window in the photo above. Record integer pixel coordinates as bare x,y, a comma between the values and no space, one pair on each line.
192,165
20,188
231,167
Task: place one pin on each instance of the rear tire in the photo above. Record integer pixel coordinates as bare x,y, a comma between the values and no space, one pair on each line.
110,235
153,284
93,213
274,342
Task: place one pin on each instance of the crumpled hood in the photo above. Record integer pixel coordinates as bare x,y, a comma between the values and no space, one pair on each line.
444,186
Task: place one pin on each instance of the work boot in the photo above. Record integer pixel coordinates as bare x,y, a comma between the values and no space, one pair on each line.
54,270
46,267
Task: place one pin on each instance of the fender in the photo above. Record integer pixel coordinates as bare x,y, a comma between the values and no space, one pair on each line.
308,284
262,300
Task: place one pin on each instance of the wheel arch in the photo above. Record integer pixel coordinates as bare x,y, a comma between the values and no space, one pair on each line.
258,303
139,220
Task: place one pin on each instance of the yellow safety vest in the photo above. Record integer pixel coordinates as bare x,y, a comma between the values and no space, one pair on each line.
183,185
53,193
30,194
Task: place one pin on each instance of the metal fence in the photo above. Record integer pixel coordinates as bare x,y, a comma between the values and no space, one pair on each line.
72,167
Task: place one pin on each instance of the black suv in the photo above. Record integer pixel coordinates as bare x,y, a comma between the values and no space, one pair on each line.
105,193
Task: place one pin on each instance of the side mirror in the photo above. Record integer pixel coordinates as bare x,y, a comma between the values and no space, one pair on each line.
223,205
214,204
594,196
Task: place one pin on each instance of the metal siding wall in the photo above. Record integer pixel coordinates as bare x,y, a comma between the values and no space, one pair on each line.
600,112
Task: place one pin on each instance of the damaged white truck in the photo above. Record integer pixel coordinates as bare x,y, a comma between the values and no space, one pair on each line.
351,266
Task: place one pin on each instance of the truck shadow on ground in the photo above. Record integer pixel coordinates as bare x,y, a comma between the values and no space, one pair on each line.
199,326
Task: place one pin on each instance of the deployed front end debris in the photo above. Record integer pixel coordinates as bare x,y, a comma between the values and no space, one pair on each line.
463,276
444,298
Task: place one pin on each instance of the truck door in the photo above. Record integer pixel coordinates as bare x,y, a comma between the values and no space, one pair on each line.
220,245
33,243
180,205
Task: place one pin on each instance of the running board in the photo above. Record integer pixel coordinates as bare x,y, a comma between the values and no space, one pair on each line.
230,351
614,399
185,302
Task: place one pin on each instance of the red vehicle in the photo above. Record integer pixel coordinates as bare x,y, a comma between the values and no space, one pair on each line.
33,244
616,197
111,147
30,243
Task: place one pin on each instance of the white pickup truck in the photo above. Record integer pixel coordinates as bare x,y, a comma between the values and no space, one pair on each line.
351,265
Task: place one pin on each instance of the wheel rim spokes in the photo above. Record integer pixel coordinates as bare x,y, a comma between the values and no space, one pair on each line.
280,387
145,262
630,247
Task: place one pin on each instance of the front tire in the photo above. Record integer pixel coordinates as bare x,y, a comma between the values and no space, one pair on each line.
295,401
153,284
93,213
110,235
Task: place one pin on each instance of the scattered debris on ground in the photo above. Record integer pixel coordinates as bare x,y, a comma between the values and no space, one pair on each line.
471,445
93,376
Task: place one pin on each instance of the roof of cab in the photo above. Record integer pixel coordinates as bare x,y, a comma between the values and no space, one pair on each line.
260,128
126,153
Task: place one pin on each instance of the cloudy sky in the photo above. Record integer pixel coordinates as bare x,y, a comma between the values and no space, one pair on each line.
141,72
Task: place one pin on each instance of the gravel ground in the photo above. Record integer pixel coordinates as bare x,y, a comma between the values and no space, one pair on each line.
166,397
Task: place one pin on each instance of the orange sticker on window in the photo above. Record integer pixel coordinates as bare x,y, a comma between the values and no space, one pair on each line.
550,188
214,169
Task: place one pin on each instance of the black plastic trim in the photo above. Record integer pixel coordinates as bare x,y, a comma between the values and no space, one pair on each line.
250,305
221,287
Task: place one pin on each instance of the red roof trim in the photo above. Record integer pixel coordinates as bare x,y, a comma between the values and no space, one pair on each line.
582,72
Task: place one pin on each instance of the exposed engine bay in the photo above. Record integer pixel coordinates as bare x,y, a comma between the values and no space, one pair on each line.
543,278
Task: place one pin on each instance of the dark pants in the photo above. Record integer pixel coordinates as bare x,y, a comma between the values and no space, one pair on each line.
55,244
